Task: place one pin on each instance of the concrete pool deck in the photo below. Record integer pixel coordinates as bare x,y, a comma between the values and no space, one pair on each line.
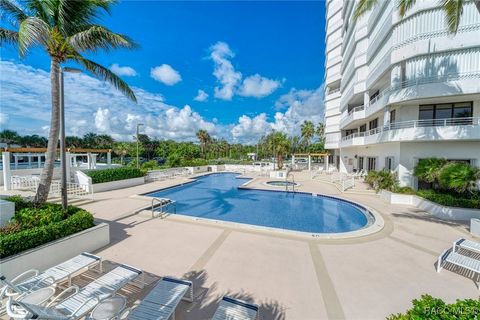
369,277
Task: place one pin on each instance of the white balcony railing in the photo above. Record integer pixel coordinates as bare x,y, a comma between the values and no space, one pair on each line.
416,124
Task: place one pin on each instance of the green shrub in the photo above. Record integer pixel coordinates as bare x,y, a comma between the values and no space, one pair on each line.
194,163
19,202
404,190
430,308
115,174
458,176
428,169
14,242
150,165
174,160
379,180
451,200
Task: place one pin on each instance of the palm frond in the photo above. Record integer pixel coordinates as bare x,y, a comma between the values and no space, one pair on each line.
44,9
107,75
32,31
14,13
72,16
453,12
363,6
8,36
96,37
404,5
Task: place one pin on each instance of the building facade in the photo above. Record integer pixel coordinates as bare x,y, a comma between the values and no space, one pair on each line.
401,89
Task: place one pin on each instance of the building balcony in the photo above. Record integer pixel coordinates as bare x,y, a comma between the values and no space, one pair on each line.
417,130
348,117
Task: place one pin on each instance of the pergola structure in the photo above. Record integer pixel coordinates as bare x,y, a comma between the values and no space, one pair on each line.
38,153
309,157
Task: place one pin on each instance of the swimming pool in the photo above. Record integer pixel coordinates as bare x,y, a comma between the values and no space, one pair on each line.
218,197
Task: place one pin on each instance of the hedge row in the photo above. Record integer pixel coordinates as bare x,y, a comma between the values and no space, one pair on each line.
450,200
13,243
115,174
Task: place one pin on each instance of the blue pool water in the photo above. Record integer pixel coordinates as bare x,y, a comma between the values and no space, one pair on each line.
217,196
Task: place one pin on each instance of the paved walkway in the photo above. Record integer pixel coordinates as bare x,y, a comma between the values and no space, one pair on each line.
289,277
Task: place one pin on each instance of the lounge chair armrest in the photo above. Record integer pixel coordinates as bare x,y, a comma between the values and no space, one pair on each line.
63,293
45,280
23,275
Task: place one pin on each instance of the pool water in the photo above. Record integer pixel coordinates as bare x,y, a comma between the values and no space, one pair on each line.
218,197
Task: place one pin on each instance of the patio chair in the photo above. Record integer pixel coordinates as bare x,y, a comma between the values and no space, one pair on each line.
459,260
467,245
80,302
161,302
32,280
234,309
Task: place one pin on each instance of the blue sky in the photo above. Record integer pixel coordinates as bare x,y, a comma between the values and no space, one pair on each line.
236,69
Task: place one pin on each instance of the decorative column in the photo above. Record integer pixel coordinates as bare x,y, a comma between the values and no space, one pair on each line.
68,161
94,160
29,161
89,160
109,159
39,160
326,162
293,161
6,170
309,162
15,156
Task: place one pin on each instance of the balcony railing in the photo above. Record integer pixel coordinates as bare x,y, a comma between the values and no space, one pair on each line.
416,124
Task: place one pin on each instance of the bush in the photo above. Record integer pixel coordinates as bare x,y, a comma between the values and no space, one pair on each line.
451,200
379,180
150,165
458,176
404,190
428,169
33,226
115,174
194,163
430,308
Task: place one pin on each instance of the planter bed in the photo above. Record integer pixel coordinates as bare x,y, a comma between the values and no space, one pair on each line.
117,184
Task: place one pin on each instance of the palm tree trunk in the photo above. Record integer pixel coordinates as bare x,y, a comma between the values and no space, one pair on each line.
47,172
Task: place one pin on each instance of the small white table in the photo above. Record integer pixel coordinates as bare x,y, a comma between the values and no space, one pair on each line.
108,309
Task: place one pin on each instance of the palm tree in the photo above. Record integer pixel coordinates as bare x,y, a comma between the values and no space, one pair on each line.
65,29
204,138
279,143
121,149
428,169
320,132
307,130
9,136
453,10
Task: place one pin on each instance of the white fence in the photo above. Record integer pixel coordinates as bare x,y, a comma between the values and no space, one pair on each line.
159,175
30,183
342,181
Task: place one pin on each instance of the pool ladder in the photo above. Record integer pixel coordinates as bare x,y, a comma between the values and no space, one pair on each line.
162,203
286,181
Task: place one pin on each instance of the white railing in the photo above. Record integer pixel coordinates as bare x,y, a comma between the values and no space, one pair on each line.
30,183
160,175
417,124
348,183
434,79
342,181
331,92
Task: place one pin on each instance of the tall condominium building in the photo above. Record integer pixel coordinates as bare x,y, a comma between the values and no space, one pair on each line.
401,89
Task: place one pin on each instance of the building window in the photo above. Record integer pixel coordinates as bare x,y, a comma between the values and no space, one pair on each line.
371,163
363,128
374,95
459,113
389,163
373,124
360,163
393,115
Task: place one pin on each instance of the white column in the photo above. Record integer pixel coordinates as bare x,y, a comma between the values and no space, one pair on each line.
39,160
309,162
109,159
94,160
29,161
68,161
89,160
16,161
325,162
6,170
293,161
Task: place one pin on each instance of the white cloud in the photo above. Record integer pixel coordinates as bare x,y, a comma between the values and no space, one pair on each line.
299,105
3,118
224,71
123,71
93,105
201,96
258,86
165,74
250,129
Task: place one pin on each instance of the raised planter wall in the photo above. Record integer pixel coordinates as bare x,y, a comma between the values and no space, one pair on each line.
57,251
119,184
200,169
437,210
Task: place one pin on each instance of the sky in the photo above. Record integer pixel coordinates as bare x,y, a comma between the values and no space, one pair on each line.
236,69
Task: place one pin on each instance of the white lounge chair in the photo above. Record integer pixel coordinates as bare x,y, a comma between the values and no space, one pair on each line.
32,280
80,302
234,309
449,256
467,245
161,302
